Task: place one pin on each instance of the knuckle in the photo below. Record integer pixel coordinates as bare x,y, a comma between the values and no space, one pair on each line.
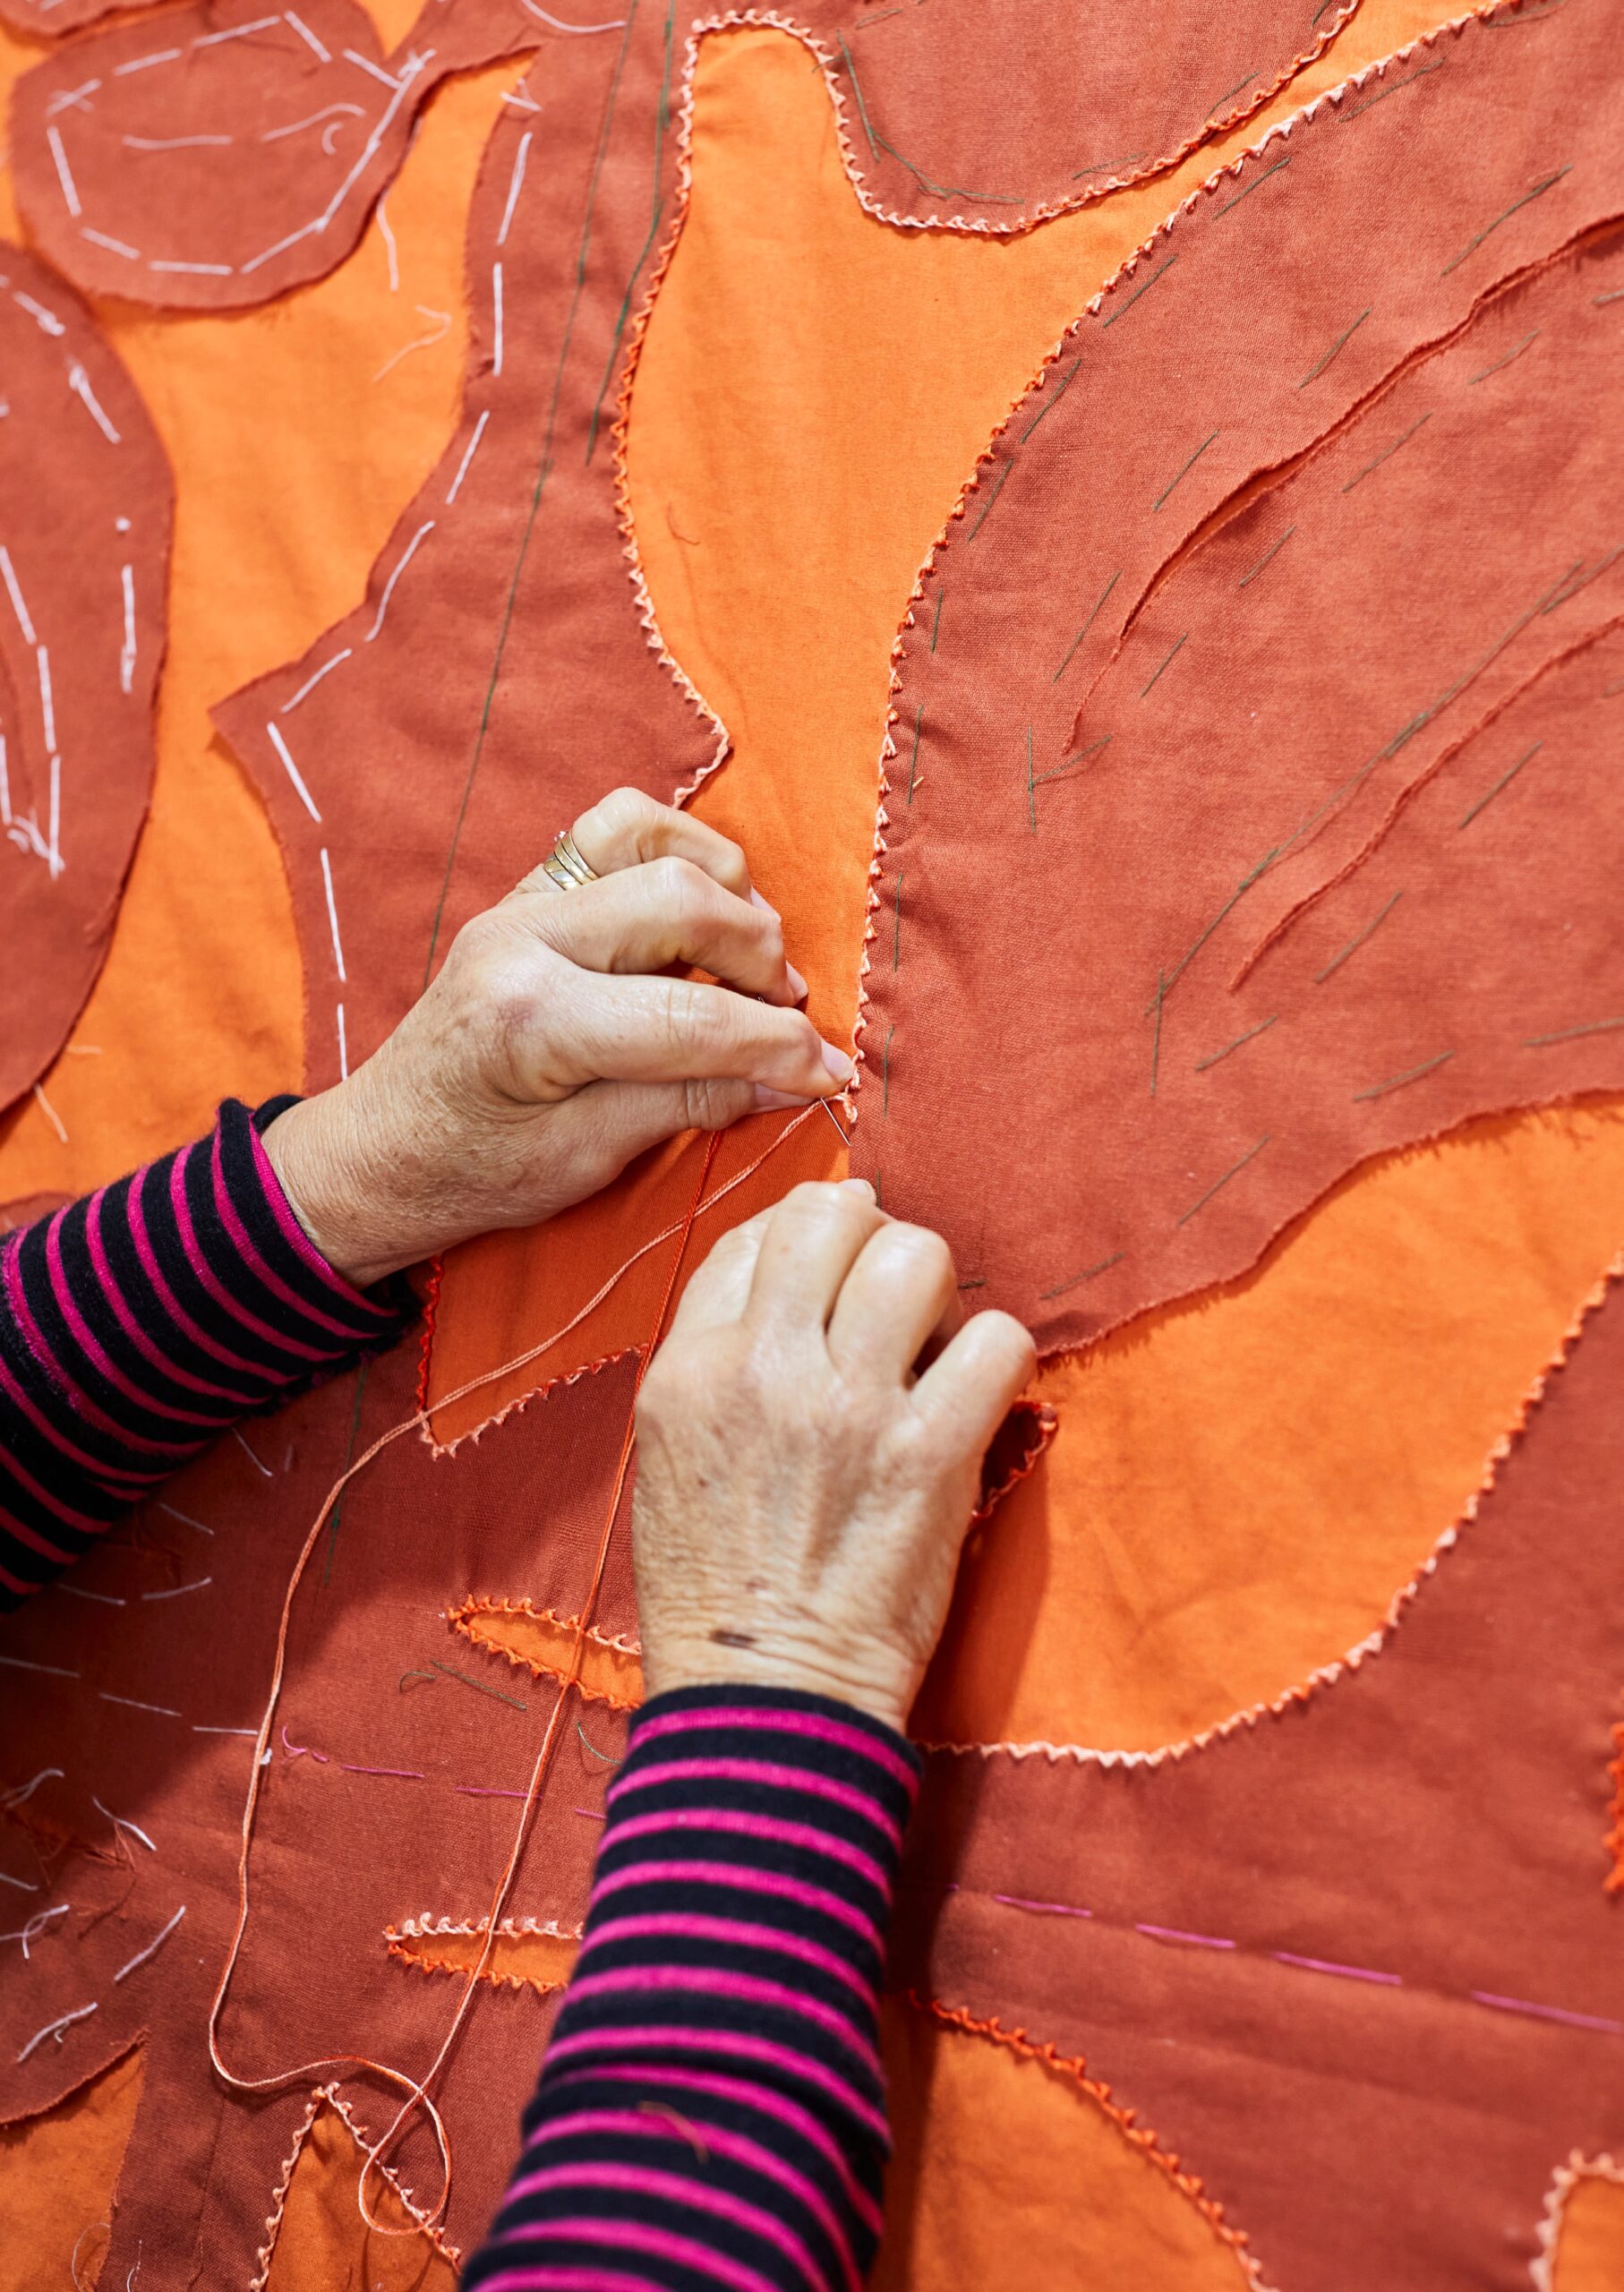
925,1256
624,808
713,1105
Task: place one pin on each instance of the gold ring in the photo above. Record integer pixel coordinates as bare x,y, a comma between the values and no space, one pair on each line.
565,866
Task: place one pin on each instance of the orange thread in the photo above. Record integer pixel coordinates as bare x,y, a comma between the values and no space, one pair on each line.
1614,1880
1075,2066
425,1347
417,2090
425,1964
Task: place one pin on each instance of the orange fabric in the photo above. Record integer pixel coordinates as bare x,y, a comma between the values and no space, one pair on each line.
290,462
323,2243
57,2175
1590,2242
978,2125
1163,1535
544,1644
540,1961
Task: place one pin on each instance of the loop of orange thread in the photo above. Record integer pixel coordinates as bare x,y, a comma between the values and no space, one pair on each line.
415,2089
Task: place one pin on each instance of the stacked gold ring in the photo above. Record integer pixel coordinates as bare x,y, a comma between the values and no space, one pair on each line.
565,866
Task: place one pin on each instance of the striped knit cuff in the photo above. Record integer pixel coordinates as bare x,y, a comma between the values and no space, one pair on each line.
138,1323
712,2110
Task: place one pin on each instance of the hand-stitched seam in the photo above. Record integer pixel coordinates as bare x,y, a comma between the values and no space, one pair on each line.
278,2196
1327,1674
443,1449
426,2228
478,1604
1126,2120
1549,2228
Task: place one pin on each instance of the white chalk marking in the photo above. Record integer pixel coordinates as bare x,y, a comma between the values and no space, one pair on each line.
413,65
113,246
257,1462
22,1885
237,31
5,787
55,1121
393,252
50,1670
153,1947
520,100
496,312
185,1518
350,56
332,913
419,342
515,185
55,2029
202,270
47,710
25,1790
142,63
78,1592
65,173
37,1925
304,231
53,856
47,320
126,651
321,55
122,1822
176,1590
173,142
252,1732
78,383
70,98
461,467
309,686
293,771
389,587
160,1710
344,1048
297,126
15,592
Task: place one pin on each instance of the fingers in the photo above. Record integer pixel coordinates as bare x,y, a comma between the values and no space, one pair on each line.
966,1392
673,1031
811,1242
628,829
719,1290
901,1292
669,911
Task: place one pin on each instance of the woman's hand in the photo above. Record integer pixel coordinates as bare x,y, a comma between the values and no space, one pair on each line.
803,1484
550,1050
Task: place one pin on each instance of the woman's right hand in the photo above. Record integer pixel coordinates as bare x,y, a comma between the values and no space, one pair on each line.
804,1483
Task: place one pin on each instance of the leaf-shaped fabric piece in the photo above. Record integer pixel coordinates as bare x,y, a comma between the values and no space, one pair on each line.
1356,1964
85,511
1324,493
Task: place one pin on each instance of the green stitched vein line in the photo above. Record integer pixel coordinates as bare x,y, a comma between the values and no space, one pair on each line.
1087,625
349,1457
885,1076
937,623
913,762
1231,203
1053,401
1182,642
1358,941
543,470
1504,781
1341,342
484,1686
1251,1156
1545,183
992,497
662,122
1077,1280
1596,1027
1509,358
1179,475
1410,1074
1351,111
1125,307
896,924
1262,1027
1263,561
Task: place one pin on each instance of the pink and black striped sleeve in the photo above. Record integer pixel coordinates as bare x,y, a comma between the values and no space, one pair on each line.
136,1325
712,2109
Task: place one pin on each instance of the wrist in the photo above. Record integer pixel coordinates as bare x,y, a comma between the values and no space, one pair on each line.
875,1681
312,1150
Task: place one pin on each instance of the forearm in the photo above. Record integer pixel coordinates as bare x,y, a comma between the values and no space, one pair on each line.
138,1323
711,2108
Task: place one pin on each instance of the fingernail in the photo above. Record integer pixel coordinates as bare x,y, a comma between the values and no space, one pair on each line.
767,1101
797,985
856,1185
766,905
838,1063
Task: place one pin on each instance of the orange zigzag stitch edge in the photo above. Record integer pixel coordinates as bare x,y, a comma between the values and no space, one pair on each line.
1327,1674
1125,2120
398,1940
1613,1883
479,1604
1549,2230
441,1449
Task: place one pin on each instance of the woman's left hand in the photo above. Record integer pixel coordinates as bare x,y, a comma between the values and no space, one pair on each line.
550,1050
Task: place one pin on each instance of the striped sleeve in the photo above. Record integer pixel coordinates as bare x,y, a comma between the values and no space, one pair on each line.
712,2109
136,1325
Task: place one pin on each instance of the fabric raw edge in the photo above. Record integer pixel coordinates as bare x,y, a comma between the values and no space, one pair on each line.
1327,1674
399,1941
333,2098
479,1604
441,1449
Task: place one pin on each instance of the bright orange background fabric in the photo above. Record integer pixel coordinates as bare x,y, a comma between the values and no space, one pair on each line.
1241,1487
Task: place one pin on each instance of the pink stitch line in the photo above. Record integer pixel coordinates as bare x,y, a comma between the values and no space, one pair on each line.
1176,1934
302,1750
402,1773
1324,1965
590,1817
1548,2013
484,1791
1051,1909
